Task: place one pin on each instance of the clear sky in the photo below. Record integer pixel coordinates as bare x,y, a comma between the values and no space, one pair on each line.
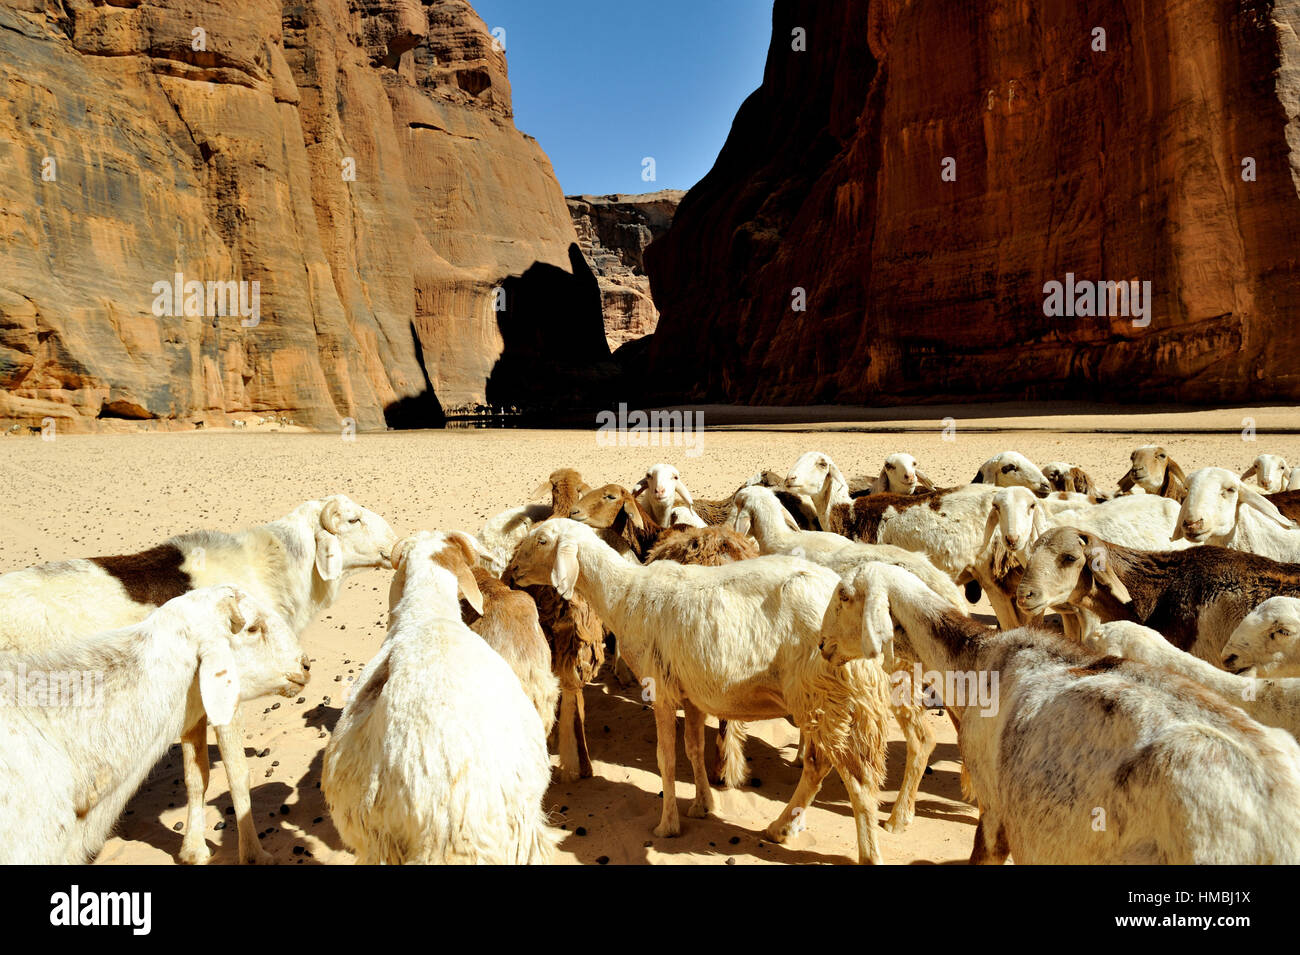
602,84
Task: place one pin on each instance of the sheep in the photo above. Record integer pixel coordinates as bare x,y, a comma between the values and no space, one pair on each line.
1271,702
756,510
800,506
659,490
740,641
1267,639
1195,597
1066,478
1011,469
701,545
1293,482
66,775
1064,740
296,565
1220,509
1270,471
576,637
438,757
509,625
900,475
1155,472
1287,503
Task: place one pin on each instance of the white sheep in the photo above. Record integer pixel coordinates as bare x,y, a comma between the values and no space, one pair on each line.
1220,509
502,533
1078,760
1267,639
438,757
1270,471
67,772
658,492
1012,469
739,641
1271,702
900,475
295,565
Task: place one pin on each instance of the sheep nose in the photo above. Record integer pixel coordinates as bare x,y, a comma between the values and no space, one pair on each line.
1230,660
1012,541
1193,525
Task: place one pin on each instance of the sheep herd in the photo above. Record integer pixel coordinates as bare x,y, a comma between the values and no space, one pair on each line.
1156,722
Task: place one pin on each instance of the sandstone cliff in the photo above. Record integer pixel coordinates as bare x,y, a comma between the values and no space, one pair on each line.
355,158
1117,164
613,232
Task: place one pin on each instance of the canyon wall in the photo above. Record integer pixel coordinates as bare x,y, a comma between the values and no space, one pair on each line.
613,232
1165,149
357,159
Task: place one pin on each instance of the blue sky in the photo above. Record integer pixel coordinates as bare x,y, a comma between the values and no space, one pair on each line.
604,84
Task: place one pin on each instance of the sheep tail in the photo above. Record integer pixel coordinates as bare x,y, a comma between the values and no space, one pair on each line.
732,769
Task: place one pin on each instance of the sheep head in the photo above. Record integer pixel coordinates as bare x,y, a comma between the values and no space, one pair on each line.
1012,469
1066,565
1215,497
425,552
349,536
815,475
1018,517
1270,470
858,622
1268,639
549,555
565,486
606,506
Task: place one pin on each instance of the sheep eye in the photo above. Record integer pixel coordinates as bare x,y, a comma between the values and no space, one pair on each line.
1069,559
355,520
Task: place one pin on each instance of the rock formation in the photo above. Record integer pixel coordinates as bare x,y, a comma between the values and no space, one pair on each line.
613,232
1164,149
357,159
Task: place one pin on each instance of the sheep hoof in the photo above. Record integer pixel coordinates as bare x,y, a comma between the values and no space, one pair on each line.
667,830
260,857
896,823
568,775
778,834
699,810
195,854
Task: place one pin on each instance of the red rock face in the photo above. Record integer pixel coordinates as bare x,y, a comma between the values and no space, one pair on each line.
1122,164
356,159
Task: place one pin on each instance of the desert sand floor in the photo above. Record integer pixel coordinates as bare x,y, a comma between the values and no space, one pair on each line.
81,496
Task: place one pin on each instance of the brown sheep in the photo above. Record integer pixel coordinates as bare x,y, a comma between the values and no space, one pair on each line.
577,640
1156,473
510,626
1288,502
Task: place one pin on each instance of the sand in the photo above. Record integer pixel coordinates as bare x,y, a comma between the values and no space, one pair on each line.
81,496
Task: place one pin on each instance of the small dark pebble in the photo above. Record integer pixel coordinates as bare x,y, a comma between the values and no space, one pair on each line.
267,774
299,862
929,771
338,679
755,782
580,831
219,826
302,699
734,840
230,810
265,752
318,820
731,860
602,860
284,810
661,794
178,827
299,850
564,809
275,706
713,845
606,729
275,762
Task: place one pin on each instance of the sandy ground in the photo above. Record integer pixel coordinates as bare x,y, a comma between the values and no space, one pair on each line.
81,496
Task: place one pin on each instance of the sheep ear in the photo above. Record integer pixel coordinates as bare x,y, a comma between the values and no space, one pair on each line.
835,473
540,491
1039,524
469,587
877,621
1252,498
1175,479
1099,564
1250,471
564,575
990,525
790,522
399,552
925,481
633,513
641,485
685,493
469,546
329,556
230,606
1126,482
331,515
979,477
743,523
218,682
880,484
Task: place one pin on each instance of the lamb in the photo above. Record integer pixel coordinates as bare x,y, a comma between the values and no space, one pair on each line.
439,757
1155,472
576,637
509,625
900,475
296,565
1267,639
1194,597
1220,509
740,641
1064,477
1012,469
1271,702
1080,760
65,777
1270,470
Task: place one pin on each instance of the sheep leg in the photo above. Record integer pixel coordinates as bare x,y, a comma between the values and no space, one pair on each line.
815,768
703,804
580,731
566,729
920,744
666,743
989,851
194,758
801,754
863,798
230,740
622,672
